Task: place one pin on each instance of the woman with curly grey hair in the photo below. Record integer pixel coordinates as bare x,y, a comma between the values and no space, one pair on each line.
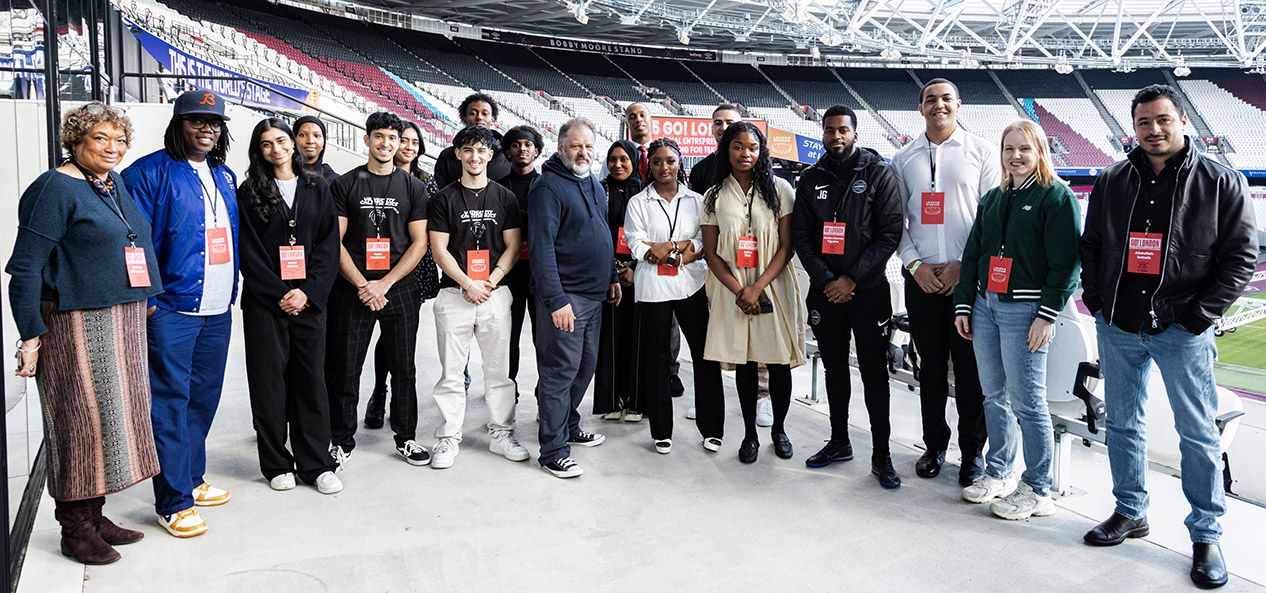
82,269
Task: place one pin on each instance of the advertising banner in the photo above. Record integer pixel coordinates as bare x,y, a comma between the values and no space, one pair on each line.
693,134
794,147
601,47
176,61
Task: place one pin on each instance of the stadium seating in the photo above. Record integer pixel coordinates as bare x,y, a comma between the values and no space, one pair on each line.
1081,116
1081,152
1225,106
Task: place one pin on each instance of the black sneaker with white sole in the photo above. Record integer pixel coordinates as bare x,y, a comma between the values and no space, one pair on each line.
563,468
586,439
413,453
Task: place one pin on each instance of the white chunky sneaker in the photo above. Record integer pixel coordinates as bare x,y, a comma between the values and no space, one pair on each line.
284,481
1022,504
328,483
986,488
764,412
443,453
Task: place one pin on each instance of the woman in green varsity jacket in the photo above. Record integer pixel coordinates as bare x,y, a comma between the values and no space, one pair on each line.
1020,265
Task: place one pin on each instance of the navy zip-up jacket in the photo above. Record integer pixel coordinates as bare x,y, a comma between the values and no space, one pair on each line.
571,250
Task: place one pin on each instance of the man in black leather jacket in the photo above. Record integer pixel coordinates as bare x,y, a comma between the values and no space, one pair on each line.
853,198
1169,244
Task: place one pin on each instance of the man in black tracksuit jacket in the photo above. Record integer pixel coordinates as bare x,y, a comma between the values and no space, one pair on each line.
853,187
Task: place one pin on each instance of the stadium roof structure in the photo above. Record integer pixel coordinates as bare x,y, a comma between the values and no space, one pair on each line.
1080,33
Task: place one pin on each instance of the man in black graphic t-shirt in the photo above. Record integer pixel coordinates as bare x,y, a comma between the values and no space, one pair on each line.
472,222
382,222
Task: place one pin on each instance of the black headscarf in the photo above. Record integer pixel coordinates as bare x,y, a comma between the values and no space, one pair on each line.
319,165
620,192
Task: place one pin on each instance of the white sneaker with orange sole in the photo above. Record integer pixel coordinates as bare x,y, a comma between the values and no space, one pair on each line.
186,523
207,495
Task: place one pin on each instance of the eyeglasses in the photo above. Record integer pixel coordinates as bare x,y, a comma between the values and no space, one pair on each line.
197,123
99,108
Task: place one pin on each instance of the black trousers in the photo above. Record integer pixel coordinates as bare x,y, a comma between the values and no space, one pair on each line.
617,385
350,327
656,327
935,339
832,325
285,373
522,304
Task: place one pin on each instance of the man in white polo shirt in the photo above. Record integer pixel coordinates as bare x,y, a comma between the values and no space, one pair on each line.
943,172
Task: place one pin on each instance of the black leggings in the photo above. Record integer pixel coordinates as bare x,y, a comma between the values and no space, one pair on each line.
779,395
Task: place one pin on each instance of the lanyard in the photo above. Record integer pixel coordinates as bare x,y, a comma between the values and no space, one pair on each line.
105,190
292,210
1006,215
215,215
380,213
672,222
477,227
932,162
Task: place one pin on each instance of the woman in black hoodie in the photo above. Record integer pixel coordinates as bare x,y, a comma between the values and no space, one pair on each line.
310,144
616,393
290,253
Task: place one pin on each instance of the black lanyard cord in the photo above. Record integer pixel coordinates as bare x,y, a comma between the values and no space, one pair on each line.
932,162
672,222
107,193
215,215
292,211
477,227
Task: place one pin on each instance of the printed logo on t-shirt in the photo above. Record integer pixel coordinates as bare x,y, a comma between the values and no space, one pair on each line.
479,215
378,207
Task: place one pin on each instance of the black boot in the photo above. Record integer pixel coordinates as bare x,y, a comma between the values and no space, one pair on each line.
80,539
881,466
1208,569
376,408
929,464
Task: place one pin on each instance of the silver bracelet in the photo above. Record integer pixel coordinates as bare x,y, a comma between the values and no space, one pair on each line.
37,348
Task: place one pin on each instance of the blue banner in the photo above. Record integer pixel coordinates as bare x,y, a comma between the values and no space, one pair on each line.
175,61
22,58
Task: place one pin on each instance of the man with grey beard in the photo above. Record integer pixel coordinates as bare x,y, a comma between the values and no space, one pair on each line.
573,271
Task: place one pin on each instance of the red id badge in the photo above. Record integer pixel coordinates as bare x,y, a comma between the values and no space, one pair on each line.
523,250
666,270
999,274
622,244
293,264
378,254
218,245
747,252
833,238
933,207
477,264
1144,253
137,268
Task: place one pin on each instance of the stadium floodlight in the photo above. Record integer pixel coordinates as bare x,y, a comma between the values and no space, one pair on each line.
1064,68
581,14
683,35
831,38
815,52
1182,70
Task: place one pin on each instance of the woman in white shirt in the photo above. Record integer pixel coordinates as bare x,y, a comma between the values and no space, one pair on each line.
661,226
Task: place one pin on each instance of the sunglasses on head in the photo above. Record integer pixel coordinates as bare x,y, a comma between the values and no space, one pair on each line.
98,109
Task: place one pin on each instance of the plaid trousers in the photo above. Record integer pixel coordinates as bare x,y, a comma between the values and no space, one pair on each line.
350,327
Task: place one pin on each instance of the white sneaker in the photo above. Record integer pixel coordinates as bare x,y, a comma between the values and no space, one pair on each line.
328,483
207,495
764,412
504,443
186,523
284,481
1022,504
690,414
987,488
615,416
712,444
443,453
664,446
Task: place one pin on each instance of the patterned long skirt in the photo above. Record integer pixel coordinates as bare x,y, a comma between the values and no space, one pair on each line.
93,380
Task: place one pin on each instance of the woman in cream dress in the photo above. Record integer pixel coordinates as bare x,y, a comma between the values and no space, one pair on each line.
753,298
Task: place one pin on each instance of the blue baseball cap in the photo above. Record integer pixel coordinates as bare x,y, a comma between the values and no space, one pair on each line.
200,103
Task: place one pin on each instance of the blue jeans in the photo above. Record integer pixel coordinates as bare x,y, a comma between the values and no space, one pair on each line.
1013,381
187,354
566,362
1185,361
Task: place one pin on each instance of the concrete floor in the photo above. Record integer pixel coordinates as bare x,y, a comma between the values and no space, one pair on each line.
636,521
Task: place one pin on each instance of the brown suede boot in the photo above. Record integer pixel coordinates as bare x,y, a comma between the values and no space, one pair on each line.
79,533
111,533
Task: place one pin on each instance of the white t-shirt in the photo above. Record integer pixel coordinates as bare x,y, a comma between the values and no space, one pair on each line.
217,279
288,187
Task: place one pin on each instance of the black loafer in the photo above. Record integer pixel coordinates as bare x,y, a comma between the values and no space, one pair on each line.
972,469
832,452
782,446
882,468
1208,569
376,409
1116,529
929,464
748,450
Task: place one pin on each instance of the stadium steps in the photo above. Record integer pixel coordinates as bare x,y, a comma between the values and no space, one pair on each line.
1081,152
1103,109
892,132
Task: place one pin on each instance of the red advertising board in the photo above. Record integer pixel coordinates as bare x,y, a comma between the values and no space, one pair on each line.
693,134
